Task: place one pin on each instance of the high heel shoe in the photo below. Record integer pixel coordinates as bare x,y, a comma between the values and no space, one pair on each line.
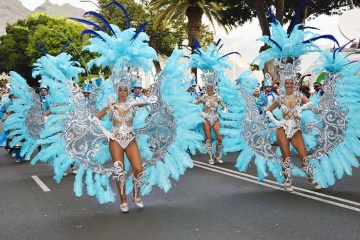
138,202
287,185
211,160
219,159
124,208
313,183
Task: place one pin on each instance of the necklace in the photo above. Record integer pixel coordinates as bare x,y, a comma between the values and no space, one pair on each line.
288,98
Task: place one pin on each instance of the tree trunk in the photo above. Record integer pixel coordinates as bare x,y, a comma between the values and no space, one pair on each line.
260,12
156,63
157,66
279,5
194,14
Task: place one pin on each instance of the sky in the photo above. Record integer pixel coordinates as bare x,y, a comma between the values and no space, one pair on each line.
241,39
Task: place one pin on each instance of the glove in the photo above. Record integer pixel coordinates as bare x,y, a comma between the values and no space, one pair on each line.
225,109
45,118
273,119
97,122
306,106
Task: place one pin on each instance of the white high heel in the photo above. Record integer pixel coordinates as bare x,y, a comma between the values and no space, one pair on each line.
138,202
124,208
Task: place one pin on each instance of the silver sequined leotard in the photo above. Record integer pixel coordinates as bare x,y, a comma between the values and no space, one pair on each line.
210,108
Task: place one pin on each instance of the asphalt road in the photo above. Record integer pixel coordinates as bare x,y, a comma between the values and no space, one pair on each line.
208,202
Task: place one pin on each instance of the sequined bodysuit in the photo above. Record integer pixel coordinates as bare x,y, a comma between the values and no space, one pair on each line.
291,121
122,115
210,108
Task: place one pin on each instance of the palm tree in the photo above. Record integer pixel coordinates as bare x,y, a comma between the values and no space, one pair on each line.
170,11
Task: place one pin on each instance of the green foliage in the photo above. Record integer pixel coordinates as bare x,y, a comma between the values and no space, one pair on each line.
19,48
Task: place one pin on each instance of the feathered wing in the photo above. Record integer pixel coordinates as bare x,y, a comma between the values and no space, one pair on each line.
167,139
87,144
55,71
336,123
26,121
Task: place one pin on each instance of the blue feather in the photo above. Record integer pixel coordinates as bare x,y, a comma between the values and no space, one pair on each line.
139,31
196,44
220,47
272,40
328,36
66,44
88,31
123,10
78,56
273,19
296,17
87,22
229,54
218,42
102,19
39,45
303,27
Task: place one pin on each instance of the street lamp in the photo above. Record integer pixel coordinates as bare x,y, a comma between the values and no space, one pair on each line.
97,7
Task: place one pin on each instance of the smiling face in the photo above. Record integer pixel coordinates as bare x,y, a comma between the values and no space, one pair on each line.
122,93
289,86
210,90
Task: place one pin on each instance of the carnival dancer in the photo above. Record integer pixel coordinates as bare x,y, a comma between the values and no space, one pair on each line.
211,101
219,90
122,136
296,129
292,103
268,96
152,145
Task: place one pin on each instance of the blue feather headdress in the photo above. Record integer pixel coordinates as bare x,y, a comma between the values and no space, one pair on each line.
282,44
120,49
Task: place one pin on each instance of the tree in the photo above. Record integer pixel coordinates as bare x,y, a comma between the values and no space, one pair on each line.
19,46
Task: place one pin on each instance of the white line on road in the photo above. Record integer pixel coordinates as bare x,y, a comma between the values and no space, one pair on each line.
40,183
246,177
276,183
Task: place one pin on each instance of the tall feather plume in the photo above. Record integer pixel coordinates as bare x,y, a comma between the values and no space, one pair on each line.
102,19
237,53
273,19
341,48
87,22
123,10
139,31
327,36
66,44
88,31
296,17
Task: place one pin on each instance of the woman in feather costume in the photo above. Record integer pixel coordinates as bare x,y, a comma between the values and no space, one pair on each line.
211,100
154,138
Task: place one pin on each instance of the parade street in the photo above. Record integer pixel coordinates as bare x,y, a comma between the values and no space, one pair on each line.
208,202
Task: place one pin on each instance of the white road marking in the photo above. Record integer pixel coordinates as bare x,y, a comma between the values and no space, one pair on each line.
41,184
298,191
